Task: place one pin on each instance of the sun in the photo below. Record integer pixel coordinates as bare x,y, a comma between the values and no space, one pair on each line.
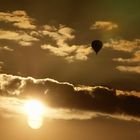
34,109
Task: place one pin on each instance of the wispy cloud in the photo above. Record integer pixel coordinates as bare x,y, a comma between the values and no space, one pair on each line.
134,59
123,45
128,93
61,36
22,21
6,48
20,37
71,101
18,19
132,69
104,25
10,106
131,64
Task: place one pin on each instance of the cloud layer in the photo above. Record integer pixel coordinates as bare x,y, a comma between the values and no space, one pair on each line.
96,100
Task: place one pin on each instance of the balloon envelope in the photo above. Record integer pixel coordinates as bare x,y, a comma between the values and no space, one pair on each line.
97,45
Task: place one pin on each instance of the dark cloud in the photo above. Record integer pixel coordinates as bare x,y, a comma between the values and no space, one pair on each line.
67,96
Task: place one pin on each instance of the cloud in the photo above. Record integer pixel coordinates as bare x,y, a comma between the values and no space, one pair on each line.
105,25
61,36
70,99
132,47
123,45
128,93
134,59
22,21
70,53
18,19
132,69
10,106
20,37
13,107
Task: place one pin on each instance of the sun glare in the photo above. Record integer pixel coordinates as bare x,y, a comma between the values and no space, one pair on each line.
34,110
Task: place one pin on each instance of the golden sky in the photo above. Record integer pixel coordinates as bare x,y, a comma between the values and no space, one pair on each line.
46,54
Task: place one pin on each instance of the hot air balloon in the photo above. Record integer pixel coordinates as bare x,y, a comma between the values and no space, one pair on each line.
96,45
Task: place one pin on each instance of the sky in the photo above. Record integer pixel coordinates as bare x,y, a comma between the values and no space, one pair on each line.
46,54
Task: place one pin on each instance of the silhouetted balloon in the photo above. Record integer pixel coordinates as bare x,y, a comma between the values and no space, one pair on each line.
97,45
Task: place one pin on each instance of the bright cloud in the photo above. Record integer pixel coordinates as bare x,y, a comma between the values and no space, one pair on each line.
132,69
123,45
61,36
20,37
18,18
127,46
